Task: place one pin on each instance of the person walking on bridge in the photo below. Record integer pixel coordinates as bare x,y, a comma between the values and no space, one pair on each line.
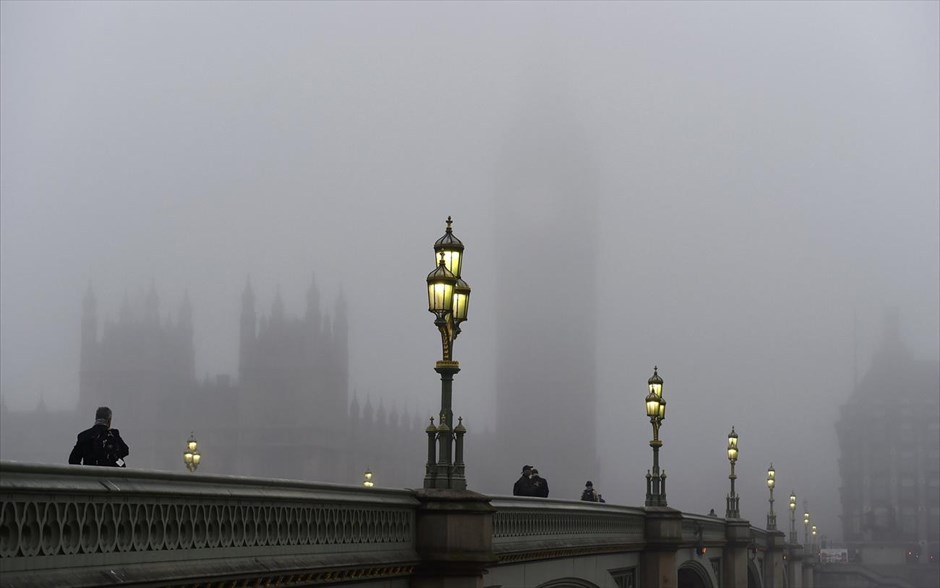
590,494
100,445
539,484
523,486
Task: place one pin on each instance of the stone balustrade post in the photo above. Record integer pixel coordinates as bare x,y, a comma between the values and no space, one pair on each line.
774,561
454,538
735,557
795,565
663,530
809,562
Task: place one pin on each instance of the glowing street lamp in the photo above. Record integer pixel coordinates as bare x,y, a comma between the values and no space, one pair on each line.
732,510
805,524
656,411
448,301
793,538
367,479
771,481
191,456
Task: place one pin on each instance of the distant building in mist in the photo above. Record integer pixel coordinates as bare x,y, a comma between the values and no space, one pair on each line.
545,195
889,437
287,414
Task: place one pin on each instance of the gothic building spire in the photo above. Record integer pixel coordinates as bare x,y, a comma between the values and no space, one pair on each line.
313,305
185,316
277,307
89,319
248,328
152,305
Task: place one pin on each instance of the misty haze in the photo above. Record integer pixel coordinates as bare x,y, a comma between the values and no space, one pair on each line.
218,218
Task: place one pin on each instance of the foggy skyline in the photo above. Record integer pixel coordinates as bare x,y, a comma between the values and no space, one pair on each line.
766,177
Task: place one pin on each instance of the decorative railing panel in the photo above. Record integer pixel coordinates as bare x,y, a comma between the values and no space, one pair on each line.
549,529
68,517
704,529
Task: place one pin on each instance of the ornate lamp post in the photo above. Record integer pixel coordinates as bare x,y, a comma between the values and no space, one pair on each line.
793,518
191,456
805,524
656,411
732,510
771,481
448,298
367,479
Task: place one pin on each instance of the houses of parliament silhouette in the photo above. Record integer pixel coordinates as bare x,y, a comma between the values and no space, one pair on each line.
287,415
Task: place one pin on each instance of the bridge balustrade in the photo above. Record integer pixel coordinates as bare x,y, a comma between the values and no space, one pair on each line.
525,530
74,525
79,526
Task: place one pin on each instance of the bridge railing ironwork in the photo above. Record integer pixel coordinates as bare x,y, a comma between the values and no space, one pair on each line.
134,525
525,529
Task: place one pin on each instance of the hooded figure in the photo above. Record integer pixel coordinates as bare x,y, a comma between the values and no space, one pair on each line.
539,484
590,494
523,486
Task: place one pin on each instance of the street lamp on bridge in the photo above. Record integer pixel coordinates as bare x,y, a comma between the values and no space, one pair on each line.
448,298
367,479
656,411
792,518
732,510
191,456
805,524
771,481
813,543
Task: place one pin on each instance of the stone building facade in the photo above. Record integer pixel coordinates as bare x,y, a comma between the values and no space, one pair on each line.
889,437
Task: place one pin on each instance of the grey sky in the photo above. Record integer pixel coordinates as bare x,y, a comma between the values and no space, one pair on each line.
767,172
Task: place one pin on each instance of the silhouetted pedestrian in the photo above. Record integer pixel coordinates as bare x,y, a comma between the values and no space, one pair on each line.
100,445
590,494
539,484
523,486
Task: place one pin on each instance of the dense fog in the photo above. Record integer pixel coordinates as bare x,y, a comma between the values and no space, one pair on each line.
758,183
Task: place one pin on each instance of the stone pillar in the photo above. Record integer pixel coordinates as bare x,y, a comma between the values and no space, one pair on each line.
663,532
795,565
774,561
809,562
454,539
735,556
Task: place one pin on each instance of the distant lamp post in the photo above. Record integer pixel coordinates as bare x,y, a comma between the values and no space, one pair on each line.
191,456
732,510
771,481
367,479
805,524
448,300
813,542
793,538
656,411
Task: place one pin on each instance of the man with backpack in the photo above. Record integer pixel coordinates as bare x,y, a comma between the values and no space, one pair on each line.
100,445
590,494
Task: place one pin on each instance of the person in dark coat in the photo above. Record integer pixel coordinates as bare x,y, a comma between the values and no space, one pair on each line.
100,445
590,494
523,486
539,484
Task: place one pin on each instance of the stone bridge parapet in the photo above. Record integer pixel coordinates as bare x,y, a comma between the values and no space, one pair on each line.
80,526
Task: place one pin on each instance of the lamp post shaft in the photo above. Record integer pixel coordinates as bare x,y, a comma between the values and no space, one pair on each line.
732,507
771,517
656,482
793,526
445,474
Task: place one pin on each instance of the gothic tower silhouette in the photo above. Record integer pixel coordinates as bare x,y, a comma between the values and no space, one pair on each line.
141,362
546,204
